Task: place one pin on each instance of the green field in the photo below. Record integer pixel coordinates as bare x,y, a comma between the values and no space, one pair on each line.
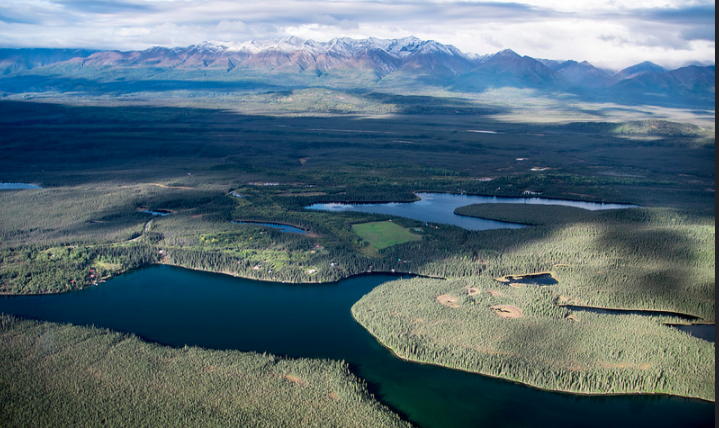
383,234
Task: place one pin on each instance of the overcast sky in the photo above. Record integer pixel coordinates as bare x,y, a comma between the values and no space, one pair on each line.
607,33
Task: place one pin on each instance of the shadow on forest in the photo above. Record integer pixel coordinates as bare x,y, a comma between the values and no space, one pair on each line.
381,157
122,86
91,143
153,141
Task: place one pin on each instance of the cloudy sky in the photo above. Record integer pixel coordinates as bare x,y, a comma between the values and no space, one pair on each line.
607,33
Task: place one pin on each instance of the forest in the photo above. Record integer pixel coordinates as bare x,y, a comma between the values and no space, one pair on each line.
105,167
89,376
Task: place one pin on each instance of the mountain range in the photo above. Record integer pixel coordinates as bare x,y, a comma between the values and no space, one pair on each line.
352,64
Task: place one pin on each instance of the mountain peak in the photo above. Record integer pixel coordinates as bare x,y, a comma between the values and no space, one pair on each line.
507,53
639,69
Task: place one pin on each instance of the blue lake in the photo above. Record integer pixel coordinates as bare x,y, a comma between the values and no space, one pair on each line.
176,306
439,208
14,186
702,331
277,226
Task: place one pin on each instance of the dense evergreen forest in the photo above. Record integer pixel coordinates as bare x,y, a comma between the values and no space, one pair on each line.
104,171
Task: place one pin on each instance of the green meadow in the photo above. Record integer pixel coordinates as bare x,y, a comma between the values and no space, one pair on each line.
383,234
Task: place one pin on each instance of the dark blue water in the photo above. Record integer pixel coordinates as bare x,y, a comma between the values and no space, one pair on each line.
439,208
281,227
609,311
702,331
175,306
544,279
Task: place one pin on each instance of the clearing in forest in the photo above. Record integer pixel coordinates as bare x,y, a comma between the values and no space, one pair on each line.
507,311
383,234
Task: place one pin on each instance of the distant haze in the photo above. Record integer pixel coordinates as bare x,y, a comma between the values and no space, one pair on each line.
609,34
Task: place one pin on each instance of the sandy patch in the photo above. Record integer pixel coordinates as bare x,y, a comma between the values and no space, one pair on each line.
295,379
448,300
471,291
516,285
495,293
572,318
562,300
507,311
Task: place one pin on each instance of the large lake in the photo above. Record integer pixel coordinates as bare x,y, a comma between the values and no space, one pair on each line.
439,208
176,306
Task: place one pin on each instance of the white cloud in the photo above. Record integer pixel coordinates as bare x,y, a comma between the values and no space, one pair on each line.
607,33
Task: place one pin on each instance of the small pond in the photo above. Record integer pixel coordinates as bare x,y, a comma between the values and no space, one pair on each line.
630,312
702,331
539,279
439,208
160,213
280,227
176,306
15,186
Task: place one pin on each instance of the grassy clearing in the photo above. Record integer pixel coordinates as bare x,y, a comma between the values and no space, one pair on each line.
383,234
67,376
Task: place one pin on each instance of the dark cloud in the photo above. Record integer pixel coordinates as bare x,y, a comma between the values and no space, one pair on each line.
692,15
349,14
433,12
105,7
9,16
702,32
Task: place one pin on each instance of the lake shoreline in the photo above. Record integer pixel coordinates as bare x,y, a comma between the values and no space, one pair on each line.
128,271
519,196
519,382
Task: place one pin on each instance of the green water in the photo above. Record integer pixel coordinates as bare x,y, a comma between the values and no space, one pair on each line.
176,306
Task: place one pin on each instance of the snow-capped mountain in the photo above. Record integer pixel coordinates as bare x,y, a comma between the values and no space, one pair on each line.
352,63
294,54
